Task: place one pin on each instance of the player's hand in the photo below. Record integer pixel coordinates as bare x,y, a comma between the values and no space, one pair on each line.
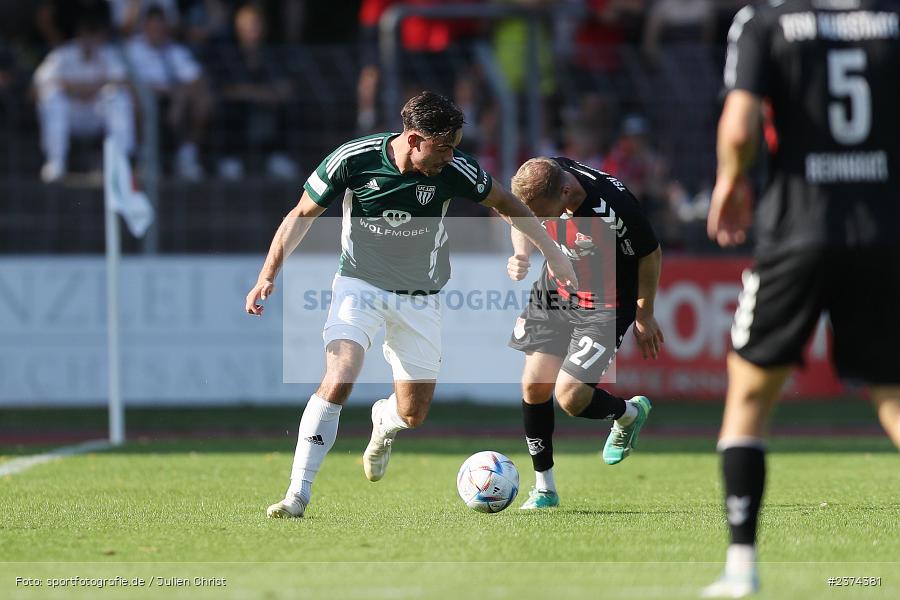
561,268
730,211
517,267
649,335
262,290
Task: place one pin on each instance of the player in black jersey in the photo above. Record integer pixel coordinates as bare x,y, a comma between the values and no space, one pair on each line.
827,226
570,336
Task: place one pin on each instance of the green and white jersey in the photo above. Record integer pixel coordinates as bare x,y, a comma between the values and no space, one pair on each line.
392,233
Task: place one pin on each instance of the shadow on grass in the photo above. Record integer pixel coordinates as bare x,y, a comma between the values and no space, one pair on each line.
600,513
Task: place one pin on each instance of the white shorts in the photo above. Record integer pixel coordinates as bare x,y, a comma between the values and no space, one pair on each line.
412,340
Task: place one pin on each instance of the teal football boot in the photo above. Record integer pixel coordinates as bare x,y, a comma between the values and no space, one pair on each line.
622,440
538,499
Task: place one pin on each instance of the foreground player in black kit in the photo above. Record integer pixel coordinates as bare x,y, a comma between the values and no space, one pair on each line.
571,336
827,225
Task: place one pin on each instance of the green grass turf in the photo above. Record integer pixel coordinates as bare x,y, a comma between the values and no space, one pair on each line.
651,527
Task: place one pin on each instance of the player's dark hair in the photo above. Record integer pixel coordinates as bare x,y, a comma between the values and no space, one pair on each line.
537,179
431,114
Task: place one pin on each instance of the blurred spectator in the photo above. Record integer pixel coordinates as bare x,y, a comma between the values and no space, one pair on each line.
609,25
633,160
370,12
206,21
598,74
511,50
127,15
292,18
583,143
511,44
674,21
81,91
429,47
253,92
590,128
56,19
171,72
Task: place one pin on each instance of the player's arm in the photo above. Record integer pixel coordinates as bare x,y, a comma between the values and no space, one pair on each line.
522,219
748,66
289,235
518,264
647,332
731,210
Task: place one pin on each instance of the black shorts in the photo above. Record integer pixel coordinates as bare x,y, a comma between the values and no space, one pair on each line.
587,338
784,295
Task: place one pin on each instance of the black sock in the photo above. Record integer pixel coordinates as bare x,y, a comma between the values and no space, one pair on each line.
539,422
603,406
744,470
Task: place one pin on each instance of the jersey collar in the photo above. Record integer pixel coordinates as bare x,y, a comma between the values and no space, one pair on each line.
385,159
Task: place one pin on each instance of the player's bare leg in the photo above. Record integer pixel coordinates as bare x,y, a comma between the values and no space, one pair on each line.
752,392
319,425
579,399
538,380
406,408
887,404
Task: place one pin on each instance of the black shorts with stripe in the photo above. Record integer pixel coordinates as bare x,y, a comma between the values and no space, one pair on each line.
785,294
587,339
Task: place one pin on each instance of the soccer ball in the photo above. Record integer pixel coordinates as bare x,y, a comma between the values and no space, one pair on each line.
487,482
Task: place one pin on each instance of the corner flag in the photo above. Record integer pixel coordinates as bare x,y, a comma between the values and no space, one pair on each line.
132,204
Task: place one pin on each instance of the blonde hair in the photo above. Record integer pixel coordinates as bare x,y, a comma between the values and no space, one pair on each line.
538,178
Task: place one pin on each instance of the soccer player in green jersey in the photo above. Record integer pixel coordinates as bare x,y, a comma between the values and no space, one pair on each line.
395,189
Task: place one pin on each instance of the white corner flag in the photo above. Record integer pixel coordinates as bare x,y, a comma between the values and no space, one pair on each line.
132,204
120,197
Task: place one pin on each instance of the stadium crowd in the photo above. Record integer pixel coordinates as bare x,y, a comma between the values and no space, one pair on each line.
627,86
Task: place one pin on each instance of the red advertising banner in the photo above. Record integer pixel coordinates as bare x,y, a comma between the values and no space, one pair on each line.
695,306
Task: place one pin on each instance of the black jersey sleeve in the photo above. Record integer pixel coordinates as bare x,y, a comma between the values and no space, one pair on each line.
639,230
747,62
643,238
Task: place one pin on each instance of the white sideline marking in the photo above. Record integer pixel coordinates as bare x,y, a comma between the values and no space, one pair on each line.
17,465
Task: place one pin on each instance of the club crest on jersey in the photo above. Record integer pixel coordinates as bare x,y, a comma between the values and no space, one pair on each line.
583,241
519,329
424,193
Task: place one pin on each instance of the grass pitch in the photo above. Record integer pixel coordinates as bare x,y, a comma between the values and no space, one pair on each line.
184,515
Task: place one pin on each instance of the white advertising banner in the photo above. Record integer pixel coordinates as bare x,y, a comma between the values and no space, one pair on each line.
186,339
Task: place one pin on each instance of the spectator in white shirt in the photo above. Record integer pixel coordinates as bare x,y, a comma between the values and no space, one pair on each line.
82,90
169,69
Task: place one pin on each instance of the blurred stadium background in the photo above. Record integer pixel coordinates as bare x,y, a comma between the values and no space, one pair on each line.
224,107
233,102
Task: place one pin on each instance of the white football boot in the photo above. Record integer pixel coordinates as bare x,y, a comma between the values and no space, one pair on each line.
740,579
289,508
378,452
732,586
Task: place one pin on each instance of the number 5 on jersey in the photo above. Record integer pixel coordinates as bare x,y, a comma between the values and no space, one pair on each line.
845,80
